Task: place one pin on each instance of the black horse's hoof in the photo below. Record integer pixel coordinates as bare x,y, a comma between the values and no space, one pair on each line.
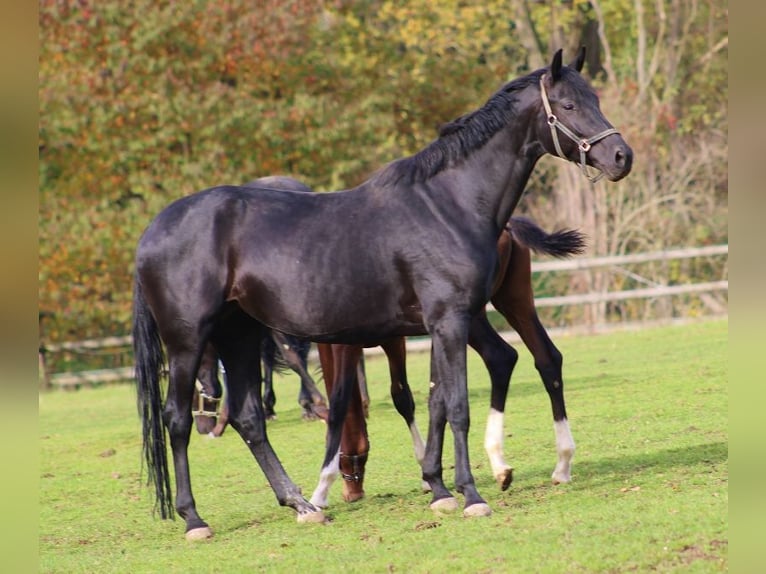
444,505
478,509
316,517
200,533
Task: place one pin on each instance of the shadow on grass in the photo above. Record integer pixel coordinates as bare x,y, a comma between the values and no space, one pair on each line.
586,474
659,461
594,472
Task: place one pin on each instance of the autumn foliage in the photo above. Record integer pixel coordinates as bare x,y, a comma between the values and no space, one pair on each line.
143,104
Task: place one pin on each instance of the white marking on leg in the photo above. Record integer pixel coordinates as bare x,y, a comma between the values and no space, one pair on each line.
420,451
565,448
326,477
417,442
493,443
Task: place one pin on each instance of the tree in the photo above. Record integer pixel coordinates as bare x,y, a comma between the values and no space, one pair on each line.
139,107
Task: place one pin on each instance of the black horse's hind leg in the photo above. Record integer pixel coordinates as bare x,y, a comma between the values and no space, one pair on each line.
309,397
235,338
177,417
500,359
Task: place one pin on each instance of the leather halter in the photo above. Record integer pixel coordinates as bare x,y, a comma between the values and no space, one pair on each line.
583,144
201,398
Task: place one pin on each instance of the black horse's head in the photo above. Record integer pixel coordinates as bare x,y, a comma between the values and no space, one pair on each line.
572,126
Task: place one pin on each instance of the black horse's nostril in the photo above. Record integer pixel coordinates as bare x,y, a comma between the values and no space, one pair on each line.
623,156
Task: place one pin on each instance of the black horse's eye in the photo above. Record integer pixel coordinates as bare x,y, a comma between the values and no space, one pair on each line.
569,106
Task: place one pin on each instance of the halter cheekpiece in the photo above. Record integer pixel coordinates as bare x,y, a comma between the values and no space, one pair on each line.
583,144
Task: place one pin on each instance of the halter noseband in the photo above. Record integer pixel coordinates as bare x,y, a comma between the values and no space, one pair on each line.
201,398
583,144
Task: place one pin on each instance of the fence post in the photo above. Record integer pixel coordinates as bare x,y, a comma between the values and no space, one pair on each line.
43,377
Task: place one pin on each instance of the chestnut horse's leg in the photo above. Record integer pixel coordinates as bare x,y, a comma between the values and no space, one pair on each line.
354,443
339,364
515,300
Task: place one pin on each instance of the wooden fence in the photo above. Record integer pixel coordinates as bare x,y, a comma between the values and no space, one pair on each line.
122,344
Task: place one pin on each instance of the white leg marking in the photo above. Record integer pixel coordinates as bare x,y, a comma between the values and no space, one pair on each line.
420,451
565,448
326,477
417,442
493,444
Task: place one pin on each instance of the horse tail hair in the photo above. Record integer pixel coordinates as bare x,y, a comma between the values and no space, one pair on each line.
272,354
150,362
561,244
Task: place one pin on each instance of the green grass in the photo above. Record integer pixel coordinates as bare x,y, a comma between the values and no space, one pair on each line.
648,411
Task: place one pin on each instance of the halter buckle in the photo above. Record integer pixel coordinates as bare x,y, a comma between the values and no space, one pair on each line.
584,146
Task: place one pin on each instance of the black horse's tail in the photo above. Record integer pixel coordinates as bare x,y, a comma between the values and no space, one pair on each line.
561,244
150,360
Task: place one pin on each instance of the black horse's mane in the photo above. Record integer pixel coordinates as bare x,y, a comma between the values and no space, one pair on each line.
458,138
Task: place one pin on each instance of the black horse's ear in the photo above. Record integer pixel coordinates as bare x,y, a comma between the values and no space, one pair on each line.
579,61
556,65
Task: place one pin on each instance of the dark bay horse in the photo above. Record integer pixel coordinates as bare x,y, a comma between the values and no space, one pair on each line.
279,351
412,250
513,297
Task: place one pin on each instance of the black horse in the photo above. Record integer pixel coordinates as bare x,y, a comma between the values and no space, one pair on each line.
411,251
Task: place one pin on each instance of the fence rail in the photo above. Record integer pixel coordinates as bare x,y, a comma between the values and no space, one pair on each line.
120,344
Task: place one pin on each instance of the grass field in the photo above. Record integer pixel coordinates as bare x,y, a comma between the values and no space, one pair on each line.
648,411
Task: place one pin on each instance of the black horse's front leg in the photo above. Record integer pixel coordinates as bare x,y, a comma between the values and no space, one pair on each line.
449,400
